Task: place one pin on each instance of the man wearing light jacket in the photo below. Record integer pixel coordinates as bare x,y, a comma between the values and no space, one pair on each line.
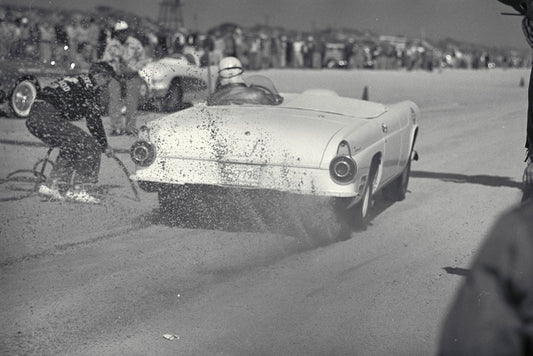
127,56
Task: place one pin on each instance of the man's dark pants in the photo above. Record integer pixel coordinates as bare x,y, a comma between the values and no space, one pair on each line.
528,188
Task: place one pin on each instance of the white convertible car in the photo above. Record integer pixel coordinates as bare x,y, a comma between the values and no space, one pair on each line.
313,143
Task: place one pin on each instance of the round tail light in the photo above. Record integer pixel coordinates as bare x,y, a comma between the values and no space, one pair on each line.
343,169
142,153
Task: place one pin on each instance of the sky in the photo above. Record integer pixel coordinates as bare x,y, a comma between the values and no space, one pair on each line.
475,21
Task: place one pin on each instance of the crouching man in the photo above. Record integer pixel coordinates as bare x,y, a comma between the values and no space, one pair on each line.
78,163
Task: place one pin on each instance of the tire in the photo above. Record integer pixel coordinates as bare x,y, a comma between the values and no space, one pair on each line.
362,209
22,97
357,216
397,189
174,97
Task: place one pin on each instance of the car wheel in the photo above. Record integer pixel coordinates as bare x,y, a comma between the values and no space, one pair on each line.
22,97
174,96
397,189
357,216
362,209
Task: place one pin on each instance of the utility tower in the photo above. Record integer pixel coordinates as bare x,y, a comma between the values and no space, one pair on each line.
170,15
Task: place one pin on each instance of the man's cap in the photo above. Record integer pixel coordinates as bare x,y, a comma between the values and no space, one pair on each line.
121,26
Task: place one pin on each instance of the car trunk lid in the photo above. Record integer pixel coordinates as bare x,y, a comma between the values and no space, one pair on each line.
250,135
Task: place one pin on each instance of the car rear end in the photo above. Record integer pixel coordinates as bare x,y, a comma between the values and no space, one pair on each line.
248,147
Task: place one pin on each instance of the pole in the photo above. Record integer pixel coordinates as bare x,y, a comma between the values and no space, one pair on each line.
127,173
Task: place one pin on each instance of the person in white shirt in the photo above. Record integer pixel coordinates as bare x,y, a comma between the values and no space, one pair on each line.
127,56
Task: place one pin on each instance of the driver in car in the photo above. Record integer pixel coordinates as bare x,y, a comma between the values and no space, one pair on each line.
232,89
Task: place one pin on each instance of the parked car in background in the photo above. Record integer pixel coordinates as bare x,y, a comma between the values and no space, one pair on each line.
21,78
168,83
335,55
314,143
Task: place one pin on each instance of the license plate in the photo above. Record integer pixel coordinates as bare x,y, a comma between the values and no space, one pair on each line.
240,175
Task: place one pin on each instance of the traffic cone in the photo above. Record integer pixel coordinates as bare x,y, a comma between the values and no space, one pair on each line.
522,82
365,93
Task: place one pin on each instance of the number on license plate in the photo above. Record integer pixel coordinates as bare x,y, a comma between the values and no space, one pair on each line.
239,175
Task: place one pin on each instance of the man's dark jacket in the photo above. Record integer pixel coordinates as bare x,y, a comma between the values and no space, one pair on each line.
493,310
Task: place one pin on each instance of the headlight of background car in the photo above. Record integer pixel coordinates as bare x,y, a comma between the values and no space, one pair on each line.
343,169
142,153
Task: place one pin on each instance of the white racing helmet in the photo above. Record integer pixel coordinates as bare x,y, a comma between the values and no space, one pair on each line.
229,67
121,25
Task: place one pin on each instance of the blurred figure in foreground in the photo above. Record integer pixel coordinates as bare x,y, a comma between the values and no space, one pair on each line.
78,163
525,8
493,309
126,55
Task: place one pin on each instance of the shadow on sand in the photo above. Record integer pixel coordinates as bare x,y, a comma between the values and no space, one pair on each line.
463,272
491,181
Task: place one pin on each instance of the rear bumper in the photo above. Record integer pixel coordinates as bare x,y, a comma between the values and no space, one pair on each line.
297,180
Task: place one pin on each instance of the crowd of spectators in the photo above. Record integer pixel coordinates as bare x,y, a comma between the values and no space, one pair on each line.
82,37
59,38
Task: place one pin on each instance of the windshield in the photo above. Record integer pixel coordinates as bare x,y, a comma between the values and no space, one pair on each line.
262,82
